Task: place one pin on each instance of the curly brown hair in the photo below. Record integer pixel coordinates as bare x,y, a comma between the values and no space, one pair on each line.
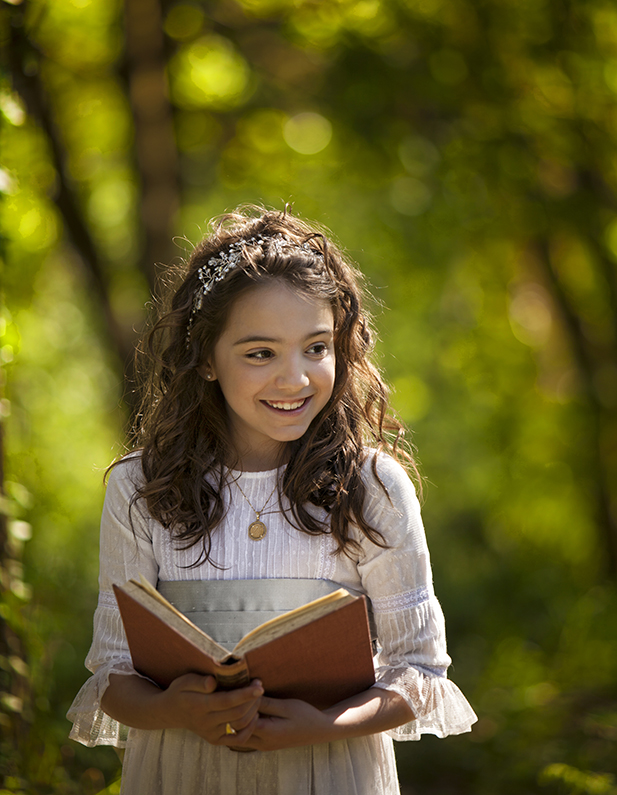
182,429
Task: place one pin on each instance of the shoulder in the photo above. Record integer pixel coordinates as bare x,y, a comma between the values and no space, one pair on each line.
125,477
386,478
391,503
123,507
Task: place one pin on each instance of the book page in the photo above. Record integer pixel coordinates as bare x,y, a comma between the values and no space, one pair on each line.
294,619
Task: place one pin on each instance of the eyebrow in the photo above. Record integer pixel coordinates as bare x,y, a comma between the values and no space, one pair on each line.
258,338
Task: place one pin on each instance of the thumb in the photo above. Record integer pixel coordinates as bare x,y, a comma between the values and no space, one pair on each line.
196,683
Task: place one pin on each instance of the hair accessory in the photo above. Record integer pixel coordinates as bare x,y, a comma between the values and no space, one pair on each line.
218,267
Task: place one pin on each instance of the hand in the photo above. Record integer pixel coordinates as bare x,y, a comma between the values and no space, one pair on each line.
286,723
192,702
261,723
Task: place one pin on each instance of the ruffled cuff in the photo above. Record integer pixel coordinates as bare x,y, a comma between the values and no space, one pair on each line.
92,726
439,706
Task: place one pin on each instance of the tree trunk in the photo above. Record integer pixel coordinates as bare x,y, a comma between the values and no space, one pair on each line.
155,145
602,449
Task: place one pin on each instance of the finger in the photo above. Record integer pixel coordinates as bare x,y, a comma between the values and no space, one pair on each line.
222,701
259,733
275,707
241,735
242,716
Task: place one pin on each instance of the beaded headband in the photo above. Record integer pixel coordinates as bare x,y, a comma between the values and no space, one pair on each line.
217,268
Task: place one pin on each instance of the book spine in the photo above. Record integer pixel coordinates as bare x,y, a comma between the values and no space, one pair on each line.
232,680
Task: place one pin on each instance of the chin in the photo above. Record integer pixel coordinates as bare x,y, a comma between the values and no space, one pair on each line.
291,436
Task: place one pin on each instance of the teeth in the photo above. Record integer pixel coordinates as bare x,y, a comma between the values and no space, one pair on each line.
287,406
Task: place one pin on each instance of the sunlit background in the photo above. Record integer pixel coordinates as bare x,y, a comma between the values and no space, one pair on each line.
463,153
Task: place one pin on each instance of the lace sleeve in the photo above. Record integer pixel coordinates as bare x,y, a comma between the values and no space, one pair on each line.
123,554
413,660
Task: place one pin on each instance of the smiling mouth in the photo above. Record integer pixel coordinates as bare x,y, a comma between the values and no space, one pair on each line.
286,406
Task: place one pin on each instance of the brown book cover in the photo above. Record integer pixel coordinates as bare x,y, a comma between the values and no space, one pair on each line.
320,653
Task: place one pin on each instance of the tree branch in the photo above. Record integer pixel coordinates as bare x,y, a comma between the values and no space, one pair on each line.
601,468
29,86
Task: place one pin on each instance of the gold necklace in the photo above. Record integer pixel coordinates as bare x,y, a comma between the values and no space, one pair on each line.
257,529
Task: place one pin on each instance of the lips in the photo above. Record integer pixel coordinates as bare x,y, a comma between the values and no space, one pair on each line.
283,405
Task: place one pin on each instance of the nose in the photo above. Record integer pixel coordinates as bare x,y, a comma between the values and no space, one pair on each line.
292,375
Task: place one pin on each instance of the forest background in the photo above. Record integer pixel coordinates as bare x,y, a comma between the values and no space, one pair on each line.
463,152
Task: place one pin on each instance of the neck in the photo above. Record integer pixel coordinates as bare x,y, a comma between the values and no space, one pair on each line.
262,460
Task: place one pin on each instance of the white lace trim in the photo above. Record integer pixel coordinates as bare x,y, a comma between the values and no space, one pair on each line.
438,705
402,601
108,599
92,726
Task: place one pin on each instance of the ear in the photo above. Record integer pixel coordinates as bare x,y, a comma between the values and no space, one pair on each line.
206,371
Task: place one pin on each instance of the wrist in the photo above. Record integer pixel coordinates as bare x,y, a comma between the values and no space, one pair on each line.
161,711
138,703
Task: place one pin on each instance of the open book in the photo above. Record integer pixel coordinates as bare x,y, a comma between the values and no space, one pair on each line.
320,653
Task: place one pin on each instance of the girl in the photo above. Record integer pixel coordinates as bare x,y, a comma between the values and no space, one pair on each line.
261,455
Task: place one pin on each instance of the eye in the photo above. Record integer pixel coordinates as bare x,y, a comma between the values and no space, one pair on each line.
318,349
260,356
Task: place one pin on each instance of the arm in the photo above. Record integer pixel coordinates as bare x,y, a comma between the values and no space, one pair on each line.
190,702
116,695
287,723
123,554
413,661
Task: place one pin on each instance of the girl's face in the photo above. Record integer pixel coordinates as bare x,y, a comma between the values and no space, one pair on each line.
275,364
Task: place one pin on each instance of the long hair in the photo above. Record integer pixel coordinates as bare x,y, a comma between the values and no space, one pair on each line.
182,428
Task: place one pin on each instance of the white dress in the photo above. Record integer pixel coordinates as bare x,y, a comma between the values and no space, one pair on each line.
412,661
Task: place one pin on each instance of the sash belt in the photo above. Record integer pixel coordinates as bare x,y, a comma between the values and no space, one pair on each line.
229,609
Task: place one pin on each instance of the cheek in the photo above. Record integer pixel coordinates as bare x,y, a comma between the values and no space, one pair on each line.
244,383
329,376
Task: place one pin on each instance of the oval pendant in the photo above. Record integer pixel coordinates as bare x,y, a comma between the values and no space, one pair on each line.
257,530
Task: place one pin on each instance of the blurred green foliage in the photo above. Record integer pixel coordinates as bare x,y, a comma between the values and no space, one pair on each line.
464,154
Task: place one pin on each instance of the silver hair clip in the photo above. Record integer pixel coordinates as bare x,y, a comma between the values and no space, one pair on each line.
218,267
